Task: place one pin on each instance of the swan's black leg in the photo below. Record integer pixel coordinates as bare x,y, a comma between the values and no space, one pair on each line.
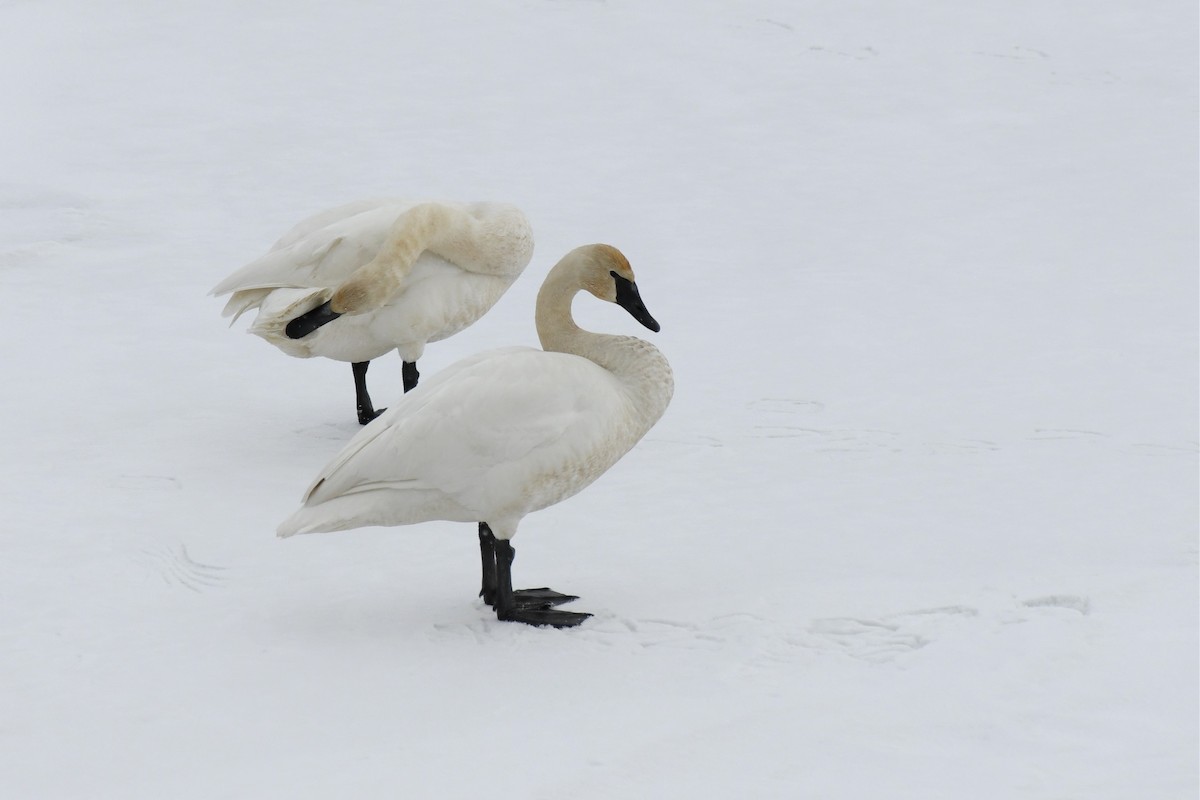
366,410
523,598
410,375
507,607
487,556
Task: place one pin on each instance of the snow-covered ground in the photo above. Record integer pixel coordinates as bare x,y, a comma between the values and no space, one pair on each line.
921,521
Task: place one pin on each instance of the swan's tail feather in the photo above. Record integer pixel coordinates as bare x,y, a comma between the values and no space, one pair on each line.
241,302
321,518
385,504
279,307
356,510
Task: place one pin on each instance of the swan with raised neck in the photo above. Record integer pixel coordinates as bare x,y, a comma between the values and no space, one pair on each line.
604,271
504,433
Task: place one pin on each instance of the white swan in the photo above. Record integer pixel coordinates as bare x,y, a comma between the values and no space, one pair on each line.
506,432
394,274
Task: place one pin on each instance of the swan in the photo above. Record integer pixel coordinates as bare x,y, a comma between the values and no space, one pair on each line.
506,432
394,275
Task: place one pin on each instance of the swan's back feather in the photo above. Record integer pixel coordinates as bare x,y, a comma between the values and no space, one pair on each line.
323,219
321,256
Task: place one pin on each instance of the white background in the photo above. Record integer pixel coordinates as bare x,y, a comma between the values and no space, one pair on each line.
921,521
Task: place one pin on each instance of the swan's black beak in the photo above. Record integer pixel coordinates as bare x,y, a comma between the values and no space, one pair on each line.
308,322
629,299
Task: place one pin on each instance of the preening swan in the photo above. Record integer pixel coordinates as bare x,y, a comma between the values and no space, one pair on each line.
356,281
506,432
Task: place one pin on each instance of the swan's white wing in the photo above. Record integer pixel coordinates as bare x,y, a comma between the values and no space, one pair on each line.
325,249
323,219
318,255
477,430
348,469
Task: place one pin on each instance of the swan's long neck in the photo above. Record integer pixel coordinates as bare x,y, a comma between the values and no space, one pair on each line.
635,362
556,326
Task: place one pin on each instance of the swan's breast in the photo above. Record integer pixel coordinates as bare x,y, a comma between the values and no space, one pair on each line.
607,426
585,464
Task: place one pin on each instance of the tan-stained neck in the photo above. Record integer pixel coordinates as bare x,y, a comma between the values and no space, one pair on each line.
499,244
639,365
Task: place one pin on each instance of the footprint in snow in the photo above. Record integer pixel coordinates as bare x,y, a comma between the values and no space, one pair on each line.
759,644
177,568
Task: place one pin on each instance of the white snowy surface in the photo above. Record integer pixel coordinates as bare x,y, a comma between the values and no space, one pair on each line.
921,521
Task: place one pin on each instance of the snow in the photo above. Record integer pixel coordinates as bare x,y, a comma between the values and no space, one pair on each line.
921,521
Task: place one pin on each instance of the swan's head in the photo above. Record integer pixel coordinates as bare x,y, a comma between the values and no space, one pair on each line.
606,274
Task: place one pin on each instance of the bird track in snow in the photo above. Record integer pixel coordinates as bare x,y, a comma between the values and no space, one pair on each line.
176,567
785,420
1067,601
760,643
1033,56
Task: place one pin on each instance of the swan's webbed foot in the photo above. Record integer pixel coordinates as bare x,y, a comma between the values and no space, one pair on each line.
366,415
531,598
555,618
540,598
531,606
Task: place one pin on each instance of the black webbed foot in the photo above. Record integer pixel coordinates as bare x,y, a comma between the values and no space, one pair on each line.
552,617
540,598
365,416
532,598
531,606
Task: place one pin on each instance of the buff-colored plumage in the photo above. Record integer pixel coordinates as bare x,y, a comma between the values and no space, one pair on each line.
401,274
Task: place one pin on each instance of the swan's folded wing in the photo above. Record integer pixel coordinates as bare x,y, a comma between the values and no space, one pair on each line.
479,424
321,257
330,216
305,264
365,457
